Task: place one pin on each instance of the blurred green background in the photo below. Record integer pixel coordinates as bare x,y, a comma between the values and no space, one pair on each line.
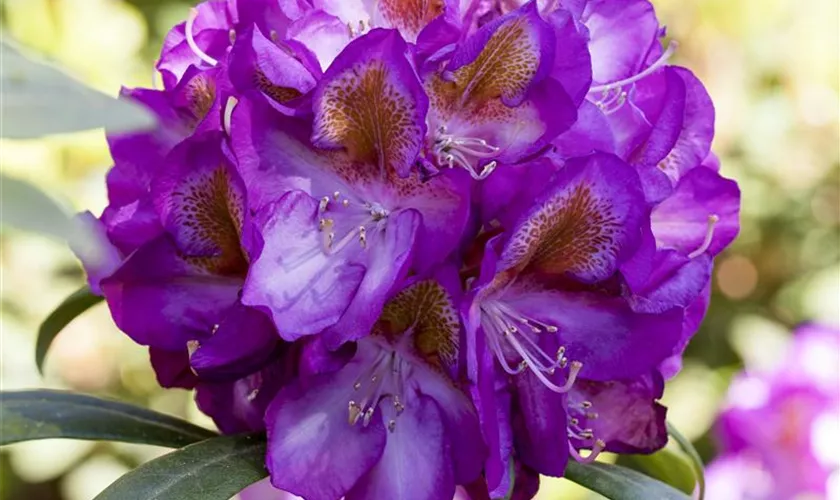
771,67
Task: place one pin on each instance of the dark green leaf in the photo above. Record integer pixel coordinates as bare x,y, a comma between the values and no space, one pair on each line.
29,415
695,460
215,469
664,465
619,483
37,99
78,302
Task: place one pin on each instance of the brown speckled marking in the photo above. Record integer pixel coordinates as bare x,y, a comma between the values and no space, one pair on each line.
364,112
505,66
211,211
571,232
276,92
427,308
410,16
201,94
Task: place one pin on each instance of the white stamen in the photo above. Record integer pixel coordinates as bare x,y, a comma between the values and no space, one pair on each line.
191,41
499,322
710,233
380,380
663,59
464,152
229,105
596,450
232,36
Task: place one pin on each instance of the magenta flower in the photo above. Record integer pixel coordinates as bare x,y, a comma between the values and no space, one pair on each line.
778,426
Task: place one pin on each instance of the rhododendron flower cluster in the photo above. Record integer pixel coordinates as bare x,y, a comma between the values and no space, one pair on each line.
779,427
423,243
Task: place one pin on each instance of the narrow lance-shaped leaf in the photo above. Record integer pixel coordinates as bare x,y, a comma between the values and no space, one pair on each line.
75,304
37,99
619,483
696,461
44,414
26,207
215,469
664,465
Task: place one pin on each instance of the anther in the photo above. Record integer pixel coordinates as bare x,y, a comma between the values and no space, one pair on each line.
591,415
596,450
274,36
368,415
323,204
357,386
392,425
232,36
214,329
336,195
353,412
229,105
586,405
363,236
707,241
188,28
252,395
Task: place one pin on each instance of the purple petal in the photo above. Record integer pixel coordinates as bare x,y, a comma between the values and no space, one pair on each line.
211,32
243,342
621,34
539,422
573,66
695,138
415,464
629,419
162,299
505,58
604,333
258,63
675,281
172,368
302,287
682,221
371,103
585,223
239,406
444,204
462,426
386,261
668,120
201,201
313,451
324,34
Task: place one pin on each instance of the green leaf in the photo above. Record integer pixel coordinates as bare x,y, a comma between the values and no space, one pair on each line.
664,465
44,414
695,460
620,483
37,99
78,302
215,469
26,207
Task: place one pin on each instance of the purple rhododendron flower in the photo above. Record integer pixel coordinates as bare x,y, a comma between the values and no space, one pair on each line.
778,429
434,249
